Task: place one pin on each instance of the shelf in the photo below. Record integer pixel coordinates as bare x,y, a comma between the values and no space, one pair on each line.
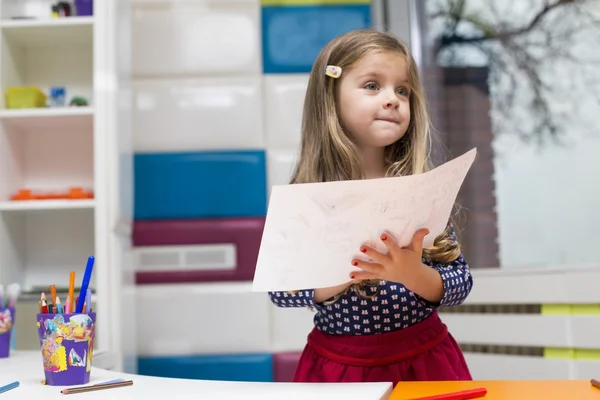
48,118
34,33
46,205
41,247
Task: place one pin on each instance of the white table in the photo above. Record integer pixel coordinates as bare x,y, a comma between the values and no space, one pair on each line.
26,367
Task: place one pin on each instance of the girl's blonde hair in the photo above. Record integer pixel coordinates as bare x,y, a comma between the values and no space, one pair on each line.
328,153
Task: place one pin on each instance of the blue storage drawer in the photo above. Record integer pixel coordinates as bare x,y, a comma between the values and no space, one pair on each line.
206,184
292,36
249,368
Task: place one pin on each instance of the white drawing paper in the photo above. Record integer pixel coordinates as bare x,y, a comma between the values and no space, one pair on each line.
312,231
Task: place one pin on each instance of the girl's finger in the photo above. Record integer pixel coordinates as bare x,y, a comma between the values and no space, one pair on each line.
363,276
367,266
389,241
355,280
373,254
417,241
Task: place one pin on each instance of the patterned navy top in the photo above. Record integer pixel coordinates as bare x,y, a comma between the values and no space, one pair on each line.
390,305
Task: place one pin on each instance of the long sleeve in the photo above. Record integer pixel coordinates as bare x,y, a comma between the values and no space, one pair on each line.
457,280
301,298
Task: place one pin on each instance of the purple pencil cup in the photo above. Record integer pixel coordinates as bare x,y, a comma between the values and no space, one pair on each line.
84,7
7,321
67,344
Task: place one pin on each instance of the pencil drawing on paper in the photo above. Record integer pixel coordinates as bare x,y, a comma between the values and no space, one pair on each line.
338,203
301,219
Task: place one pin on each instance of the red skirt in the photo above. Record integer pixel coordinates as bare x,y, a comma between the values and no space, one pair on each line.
422,352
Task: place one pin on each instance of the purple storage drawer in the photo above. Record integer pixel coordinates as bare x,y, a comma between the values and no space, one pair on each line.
284,366
245,233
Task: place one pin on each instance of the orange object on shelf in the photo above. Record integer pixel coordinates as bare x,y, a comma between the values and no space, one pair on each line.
79,193
22,194
74,193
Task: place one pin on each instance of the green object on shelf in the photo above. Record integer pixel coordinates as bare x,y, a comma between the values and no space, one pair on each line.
78,101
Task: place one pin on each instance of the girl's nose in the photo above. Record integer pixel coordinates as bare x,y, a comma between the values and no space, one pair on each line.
392,103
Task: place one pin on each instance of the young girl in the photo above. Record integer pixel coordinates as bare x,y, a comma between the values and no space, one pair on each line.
365,117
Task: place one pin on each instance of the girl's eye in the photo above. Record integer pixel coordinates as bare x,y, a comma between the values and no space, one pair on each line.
403,91
371,86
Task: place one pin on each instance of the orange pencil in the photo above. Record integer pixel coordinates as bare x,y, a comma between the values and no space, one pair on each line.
71,292
53,294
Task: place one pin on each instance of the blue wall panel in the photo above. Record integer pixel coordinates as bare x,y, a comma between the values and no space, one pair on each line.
293,35
249,368
207,184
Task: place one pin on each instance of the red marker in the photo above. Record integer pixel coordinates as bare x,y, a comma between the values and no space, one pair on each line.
462,395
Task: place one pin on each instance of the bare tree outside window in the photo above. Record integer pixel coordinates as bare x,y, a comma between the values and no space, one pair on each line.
542,57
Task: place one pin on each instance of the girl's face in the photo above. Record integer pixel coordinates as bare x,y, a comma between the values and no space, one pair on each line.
374,96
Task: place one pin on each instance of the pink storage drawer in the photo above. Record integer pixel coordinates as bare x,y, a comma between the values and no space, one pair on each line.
242,234
284,366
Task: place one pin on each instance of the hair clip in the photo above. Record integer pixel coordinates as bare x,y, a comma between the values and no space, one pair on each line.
333,71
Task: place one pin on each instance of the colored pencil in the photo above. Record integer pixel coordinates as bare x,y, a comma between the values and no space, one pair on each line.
107,382
462,395
10,386
44,307
59,306
595,383
71,298
53,294
90,388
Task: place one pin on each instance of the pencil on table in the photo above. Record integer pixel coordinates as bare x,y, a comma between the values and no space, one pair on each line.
595,383
461,395
90,388
10,386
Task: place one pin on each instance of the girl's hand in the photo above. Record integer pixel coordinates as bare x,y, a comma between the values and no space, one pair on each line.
397,265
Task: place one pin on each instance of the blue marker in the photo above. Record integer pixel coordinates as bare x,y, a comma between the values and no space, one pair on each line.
84,285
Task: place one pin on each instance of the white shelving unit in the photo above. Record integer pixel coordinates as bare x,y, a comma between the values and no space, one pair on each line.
54,149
